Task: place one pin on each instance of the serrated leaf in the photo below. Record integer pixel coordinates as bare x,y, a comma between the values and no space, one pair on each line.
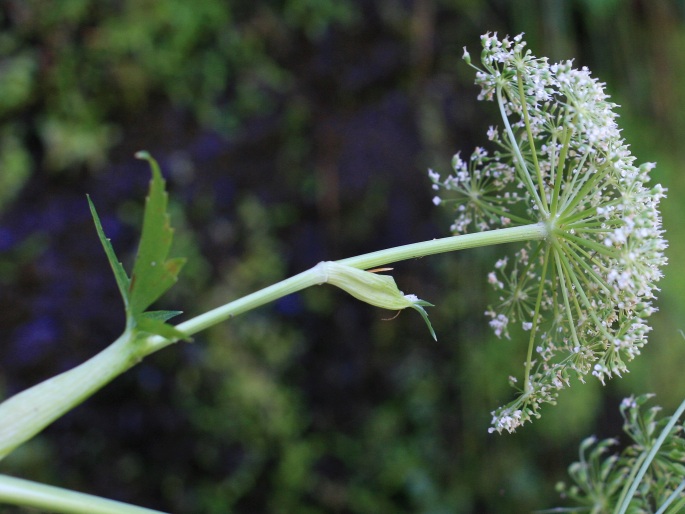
151,282
120,275
152,273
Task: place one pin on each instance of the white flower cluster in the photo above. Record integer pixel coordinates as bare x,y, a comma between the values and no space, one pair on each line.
585,291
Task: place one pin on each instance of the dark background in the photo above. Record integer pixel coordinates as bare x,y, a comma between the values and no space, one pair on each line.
290,132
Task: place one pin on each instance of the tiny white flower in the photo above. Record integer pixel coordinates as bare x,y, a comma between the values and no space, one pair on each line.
466,56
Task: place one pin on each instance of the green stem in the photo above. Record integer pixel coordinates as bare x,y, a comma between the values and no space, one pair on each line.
535,231
560,170
532,232
534,328
675,495
303,280
522,168
17,491
27,413
531,140
631,486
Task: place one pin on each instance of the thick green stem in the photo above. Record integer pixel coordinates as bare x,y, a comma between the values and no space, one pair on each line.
53,499
27,413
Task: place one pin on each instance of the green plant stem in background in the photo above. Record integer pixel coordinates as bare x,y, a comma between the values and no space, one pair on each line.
54,499
631,486
674,496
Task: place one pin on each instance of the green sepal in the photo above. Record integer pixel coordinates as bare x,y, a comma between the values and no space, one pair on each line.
372,288
120,275
419,307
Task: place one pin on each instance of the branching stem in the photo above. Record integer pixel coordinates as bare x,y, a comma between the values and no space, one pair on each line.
311,277
29,412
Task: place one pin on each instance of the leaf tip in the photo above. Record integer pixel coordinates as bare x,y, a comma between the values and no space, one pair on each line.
144,155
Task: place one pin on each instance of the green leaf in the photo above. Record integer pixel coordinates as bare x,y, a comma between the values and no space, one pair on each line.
161,315
119,273
158,327
419,307
153,274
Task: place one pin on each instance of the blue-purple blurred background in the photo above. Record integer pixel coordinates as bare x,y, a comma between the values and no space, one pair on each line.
293,131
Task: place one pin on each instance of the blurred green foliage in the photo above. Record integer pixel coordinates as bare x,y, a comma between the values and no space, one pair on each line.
72,73
329,112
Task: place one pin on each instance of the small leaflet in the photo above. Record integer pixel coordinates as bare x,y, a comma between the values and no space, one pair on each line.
153,273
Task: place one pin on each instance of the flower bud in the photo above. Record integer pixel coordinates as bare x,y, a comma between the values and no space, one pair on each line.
372,288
